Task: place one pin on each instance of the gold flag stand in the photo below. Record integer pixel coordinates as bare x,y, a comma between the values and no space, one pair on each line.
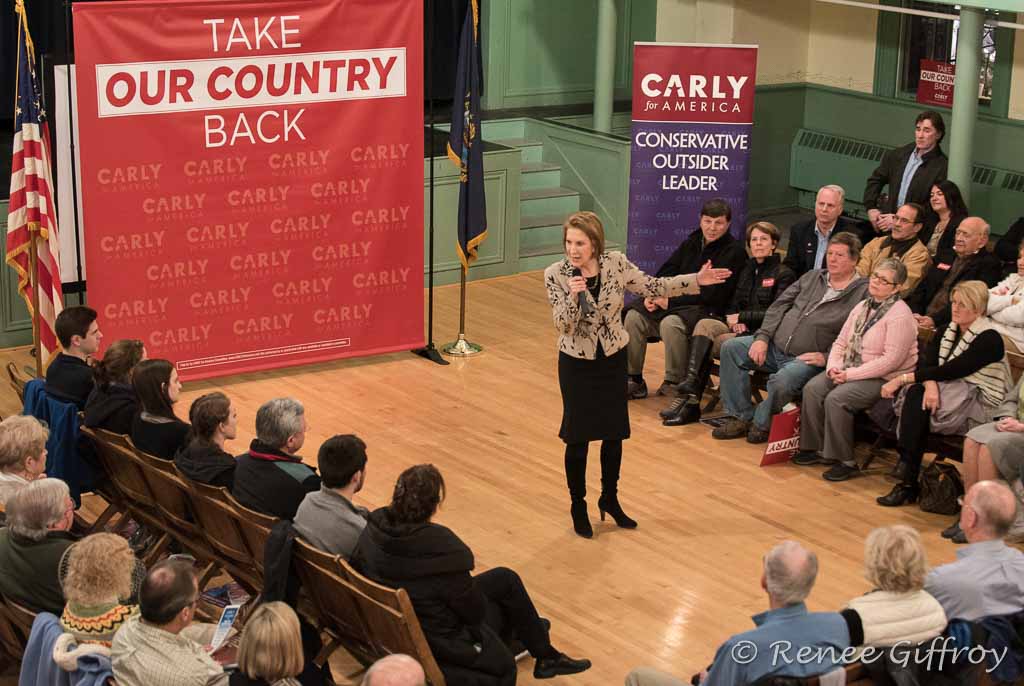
462,347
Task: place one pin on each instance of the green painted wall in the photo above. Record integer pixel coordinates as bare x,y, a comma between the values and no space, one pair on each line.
541,52
15,325
778,114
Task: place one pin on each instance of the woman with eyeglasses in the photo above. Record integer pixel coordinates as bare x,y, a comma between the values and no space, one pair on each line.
877,343
960,381
948,210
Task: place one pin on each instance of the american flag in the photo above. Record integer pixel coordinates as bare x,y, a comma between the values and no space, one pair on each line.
31,213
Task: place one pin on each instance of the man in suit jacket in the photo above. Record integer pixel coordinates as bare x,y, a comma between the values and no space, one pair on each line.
930,301
909,172
808,240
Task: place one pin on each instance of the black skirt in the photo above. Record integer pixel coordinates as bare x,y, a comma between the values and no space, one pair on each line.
594,402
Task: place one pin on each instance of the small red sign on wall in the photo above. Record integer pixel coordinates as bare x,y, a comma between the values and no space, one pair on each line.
936,84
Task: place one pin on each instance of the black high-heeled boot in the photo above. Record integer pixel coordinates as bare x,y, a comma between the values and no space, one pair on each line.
576,479
698,368
611,463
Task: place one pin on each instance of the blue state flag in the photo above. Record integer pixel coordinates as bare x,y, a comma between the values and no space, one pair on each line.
465,145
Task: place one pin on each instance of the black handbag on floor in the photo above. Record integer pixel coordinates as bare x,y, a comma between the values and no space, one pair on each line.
941,488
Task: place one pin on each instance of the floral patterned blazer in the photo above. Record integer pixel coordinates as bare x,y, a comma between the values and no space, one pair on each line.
579,334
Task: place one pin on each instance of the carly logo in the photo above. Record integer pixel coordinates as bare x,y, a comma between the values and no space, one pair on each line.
656,86
259,260
173,203
221,166
258,325
258,196
388,277
132,241
341,251
177,270
125,309
190,334
208,233
304,224
378,153
342,313
283,161
220,297
301,288
390,215
334,189
138,173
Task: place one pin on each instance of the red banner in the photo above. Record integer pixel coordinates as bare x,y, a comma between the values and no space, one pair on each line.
936,84
253,178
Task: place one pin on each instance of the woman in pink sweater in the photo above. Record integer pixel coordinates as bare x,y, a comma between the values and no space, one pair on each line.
877,342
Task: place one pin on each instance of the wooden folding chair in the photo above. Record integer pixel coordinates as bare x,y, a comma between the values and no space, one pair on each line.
18,380
255,529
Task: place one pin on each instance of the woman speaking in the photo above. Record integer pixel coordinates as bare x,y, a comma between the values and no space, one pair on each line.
586,293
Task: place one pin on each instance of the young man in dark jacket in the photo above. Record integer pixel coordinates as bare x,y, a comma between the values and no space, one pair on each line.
792,343
673,319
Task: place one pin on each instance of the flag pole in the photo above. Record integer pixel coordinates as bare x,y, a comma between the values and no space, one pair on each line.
462,347
33,281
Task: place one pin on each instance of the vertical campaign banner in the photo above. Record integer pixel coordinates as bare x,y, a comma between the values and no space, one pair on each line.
252,177
693,113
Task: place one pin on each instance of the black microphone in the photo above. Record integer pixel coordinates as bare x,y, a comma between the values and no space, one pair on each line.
582,295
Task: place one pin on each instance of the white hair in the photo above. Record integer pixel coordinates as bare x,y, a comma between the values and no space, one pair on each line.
835,188
36,507
789,571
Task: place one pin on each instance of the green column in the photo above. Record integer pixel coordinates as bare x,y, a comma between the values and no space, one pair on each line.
604,72
965,98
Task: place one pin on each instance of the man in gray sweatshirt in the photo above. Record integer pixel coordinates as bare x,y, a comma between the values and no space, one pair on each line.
792,343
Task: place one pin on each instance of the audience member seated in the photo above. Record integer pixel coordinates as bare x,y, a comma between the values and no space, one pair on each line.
808,240
69,376
960,381
113,405
898,611
22,453
930,300
99,582
988,576
39,518
1009,245
465,618
901,244
156,429
395,670
994,450
673,319
270,652
948,210
203,458
1006,307
763,278
160,647
327,518
271,477
788,576
878,342
791,343
909,172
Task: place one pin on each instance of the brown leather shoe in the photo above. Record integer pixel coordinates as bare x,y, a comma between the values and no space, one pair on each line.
734,428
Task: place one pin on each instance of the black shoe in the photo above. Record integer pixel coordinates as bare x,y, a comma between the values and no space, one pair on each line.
609,502
636,389
688,413
952,531
698,369
580,519
960,538
841,472
899,471
901,494
667,389
548,667
673,408
806,458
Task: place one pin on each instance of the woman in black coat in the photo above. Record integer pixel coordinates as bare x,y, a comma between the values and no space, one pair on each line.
468,620
762,280
112,405
939,230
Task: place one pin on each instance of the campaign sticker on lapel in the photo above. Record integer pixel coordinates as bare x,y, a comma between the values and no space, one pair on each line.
943,266
767,283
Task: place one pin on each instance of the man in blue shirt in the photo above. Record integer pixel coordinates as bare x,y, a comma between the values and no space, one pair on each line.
788,640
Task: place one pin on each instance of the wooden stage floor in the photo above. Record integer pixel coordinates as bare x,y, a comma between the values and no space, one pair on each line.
663,595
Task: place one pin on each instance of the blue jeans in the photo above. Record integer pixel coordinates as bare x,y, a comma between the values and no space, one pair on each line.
787,378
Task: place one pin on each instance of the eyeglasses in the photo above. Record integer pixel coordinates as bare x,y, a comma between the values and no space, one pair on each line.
879,279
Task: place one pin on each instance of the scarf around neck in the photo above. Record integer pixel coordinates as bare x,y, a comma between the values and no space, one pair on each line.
870,314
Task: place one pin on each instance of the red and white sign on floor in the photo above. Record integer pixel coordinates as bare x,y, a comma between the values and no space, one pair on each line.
936,84
253,177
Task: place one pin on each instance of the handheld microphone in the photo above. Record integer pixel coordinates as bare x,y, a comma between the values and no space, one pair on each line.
582,295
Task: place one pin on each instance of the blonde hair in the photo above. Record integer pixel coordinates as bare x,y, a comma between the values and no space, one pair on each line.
271,647
21,437
100,568
894,559
973,295
590,224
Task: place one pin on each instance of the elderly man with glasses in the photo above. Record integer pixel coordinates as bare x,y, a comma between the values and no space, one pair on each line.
902,244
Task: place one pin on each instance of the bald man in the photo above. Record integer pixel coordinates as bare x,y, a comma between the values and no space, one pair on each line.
988,576
395,670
